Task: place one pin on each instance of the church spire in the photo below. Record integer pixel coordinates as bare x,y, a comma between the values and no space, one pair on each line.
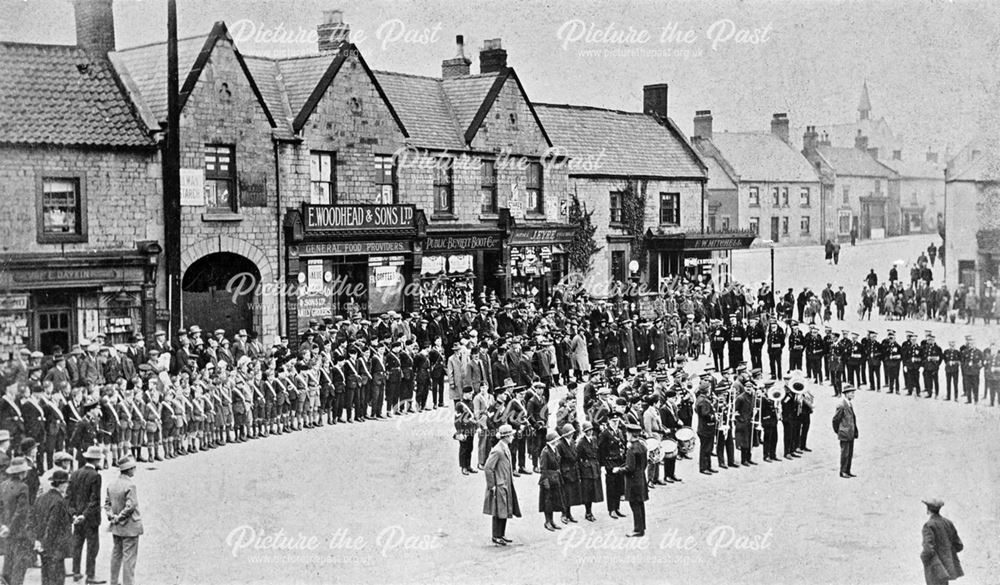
865,105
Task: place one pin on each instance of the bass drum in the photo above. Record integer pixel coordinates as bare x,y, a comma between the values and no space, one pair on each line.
653,450
668,449
685,439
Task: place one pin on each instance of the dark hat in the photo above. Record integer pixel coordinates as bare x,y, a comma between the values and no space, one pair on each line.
27,444
59,477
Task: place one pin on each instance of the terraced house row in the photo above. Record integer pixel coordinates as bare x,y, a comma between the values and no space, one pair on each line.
303,177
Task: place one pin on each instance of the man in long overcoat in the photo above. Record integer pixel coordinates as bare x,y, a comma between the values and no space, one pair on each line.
501,499
941,546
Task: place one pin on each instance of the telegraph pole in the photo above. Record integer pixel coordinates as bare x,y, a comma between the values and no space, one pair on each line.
172,178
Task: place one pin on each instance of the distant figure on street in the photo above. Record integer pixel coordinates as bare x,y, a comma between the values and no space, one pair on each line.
893,274
872,279
854,235
836,253
501,499
846,427
941,546
932,252
828,250
122,509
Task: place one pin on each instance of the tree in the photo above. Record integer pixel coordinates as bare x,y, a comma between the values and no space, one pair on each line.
583,247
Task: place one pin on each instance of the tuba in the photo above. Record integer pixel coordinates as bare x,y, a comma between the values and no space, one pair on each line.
776,393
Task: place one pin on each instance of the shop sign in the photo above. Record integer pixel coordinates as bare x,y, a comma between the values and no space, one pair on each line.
458,264
14,303
716,243
528,236
336,248
68,274
386,276
432,265
357,217
446,243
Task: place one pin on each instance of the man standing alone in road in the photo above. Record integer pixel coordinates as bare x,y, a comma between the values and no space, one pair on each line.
845,425
941,546
122,509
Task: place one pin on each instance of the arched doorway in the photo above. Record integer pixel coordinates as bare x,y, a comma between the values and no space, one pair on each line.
208,299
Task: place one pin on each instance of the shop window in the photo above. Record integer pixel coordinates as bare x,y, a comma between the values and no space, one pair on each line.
385,179
711,223
725,223
535,182
804,197
784,196
616,207
444,186
784,226
804,226
776,197
220,178
755,225
670,208
754,196
62,210
967,273
322,180
488,186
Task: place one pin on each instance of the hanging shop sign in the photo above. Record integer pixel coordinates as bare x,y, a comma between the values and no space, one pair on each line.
357,217
432,265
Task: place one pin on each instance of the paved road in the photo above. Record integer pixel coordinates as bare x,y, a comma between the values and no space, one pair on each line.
385,503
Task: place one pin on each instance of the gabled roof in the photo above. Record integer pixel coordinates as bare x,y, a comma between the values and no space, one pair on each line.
304,77
270,82
978,161
624,143
61,95
852,162
718,178
147,65
424,109
466,95
484,108
763,157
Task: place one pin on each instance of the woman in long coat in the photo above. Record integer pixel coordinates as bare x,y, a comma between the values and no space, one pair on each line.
569,472
579,355
501,499
590,470
550,497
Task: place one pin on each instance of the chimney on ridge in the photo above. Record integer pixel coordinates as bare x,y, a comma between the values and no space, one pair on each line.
703,124
654,100
861,142
333,31
779,126
492,57
458,66
95,26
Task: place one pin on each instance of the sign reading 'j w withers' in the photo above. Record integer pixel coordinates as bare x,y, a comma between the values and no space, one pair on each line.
357,217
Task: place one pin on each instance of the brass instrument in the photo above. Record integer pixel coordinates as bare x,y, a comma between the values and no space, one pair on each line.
758,401
797,385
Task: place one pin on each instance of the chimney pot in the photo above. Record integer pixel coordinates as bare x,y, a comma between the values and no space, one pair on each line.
654,100
779,126
492,57
861,142
95,25
809,139
458,66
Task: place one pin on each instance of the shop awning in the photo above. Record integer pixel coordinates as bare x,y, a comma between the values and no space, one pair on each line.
699,241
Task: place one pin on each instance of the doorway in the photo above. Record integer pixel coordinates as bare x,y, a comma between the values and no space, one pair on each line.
774,229
208,293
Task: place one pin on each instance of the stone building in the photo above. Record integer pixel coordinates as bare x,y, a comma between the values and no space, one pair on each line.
972,217
777,191
80,195
618,159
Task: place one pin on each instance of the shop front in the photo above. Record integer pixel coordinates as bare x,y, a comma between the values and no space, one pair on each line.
59,300
538,260
703,257
350,259
912,220
462,266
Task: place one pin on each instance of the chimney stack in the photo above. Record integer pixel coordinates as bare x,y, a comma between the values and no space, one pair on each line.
779,126
932,157
873,152
492,57
333,31
458,66
654,100
824,140
861,142
703,124
810,139
95,26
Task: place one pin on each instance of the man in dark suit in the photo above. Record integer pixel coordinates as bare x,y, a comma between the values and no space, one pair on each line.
84,497
34,422
845,425
636,490
54,528
941,546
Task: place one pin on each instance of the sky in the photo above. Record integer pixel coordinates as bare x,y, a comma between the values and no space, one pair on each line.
932,66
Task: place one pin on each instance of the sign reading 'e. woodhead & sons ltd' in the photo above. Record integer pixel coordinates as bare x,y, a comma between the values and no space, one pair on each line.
358,217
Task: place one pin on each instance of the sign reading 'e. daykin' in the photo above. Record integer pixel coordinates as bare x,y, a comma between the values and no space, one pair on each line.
358,217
